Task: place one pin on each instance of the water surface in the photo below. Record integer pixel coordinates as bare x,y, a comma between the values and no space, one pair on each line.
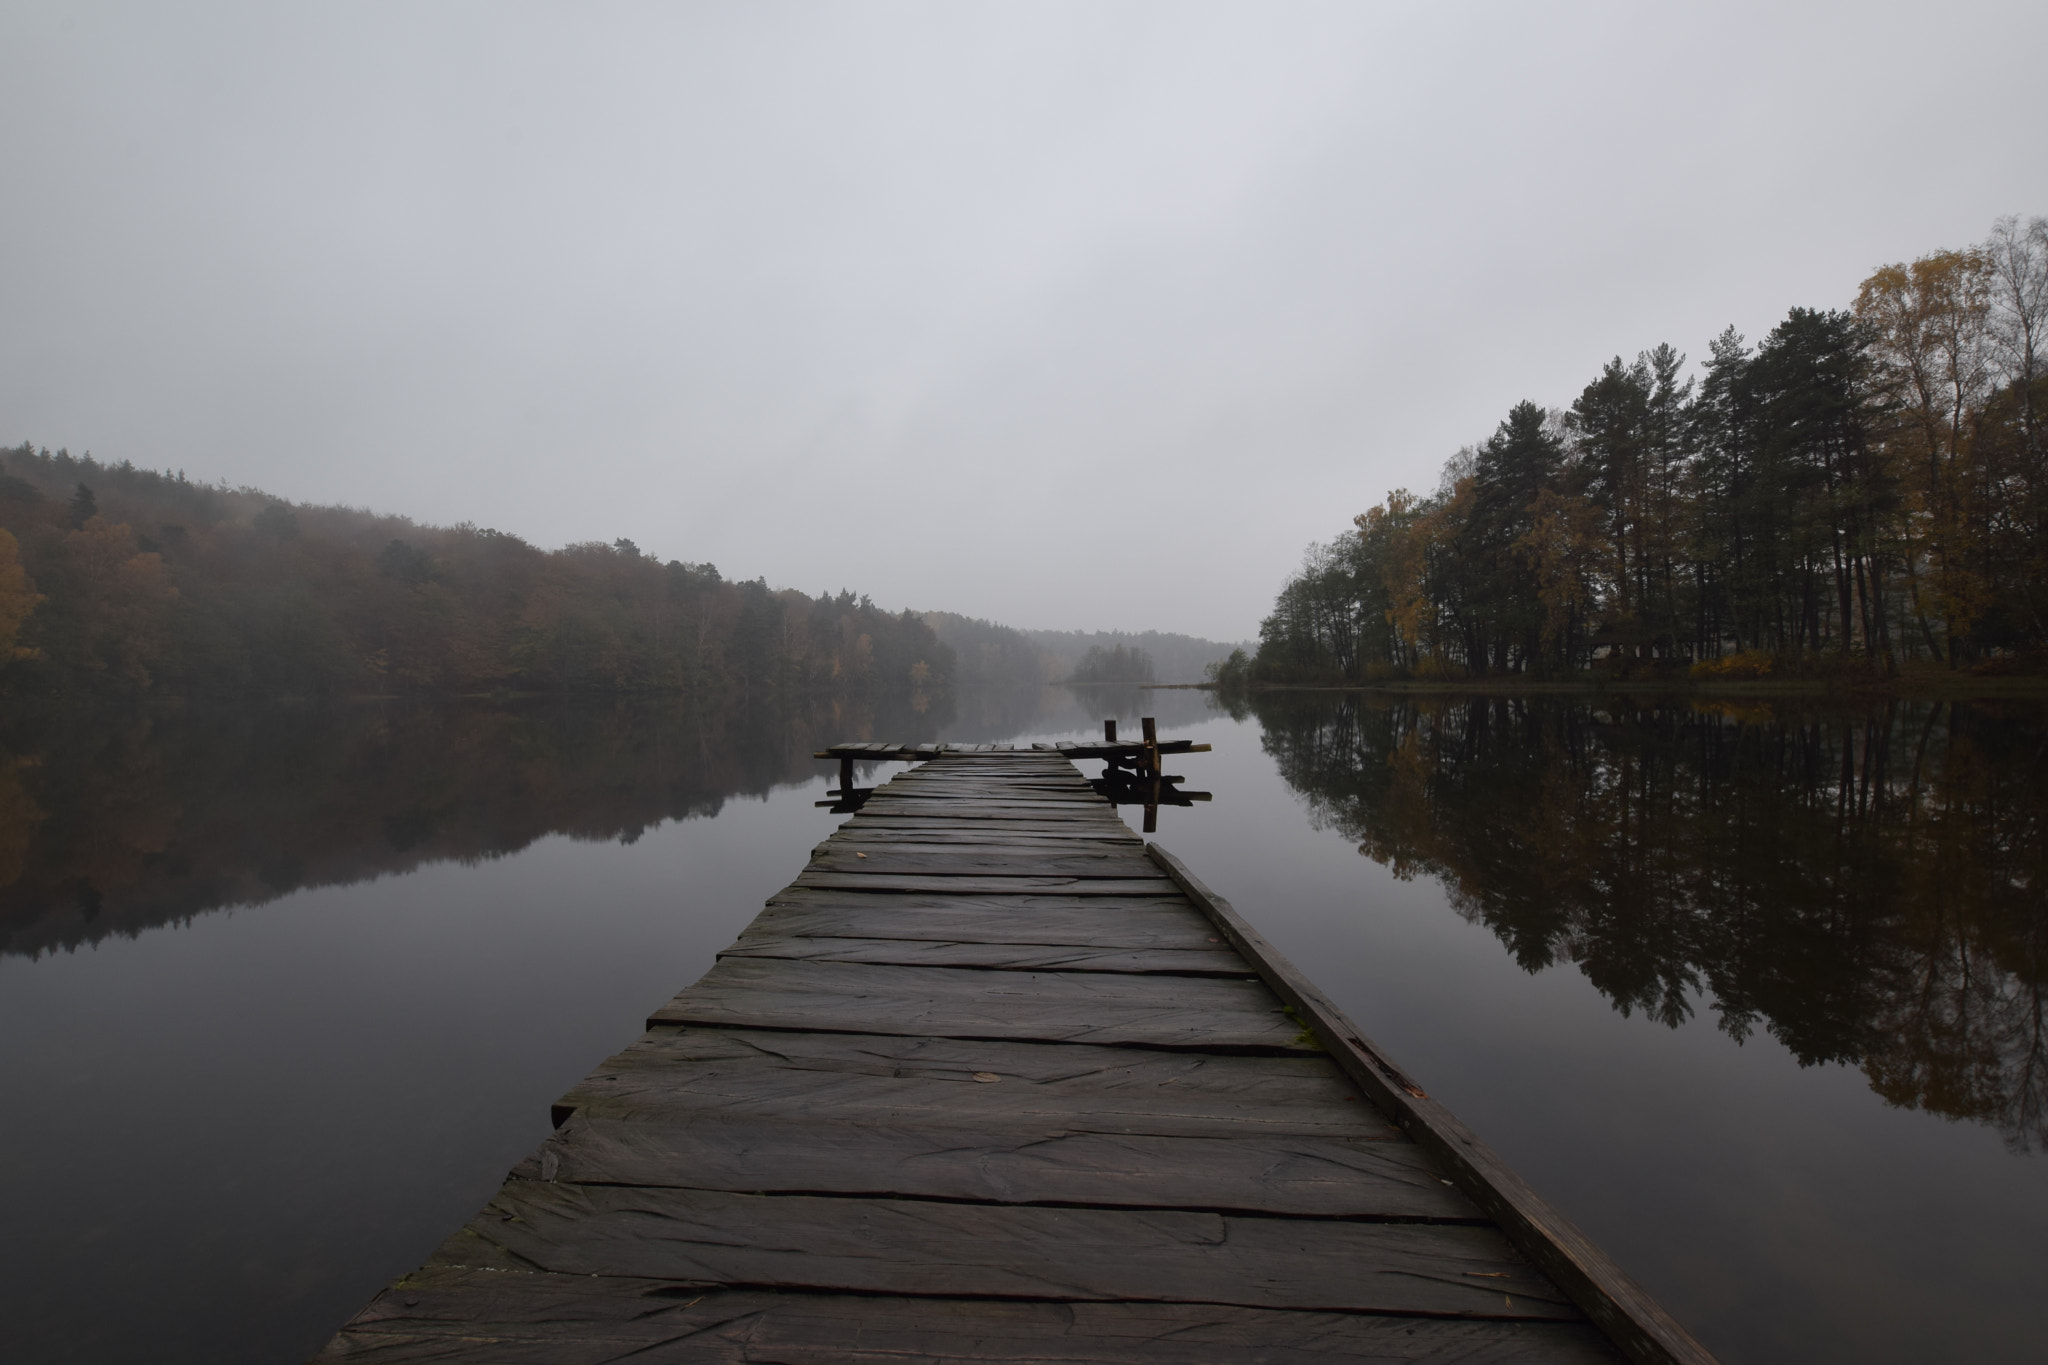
1753,995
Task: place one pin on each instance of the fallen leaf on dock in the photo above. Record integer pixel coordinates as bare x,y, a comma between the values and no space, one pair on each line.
986,1076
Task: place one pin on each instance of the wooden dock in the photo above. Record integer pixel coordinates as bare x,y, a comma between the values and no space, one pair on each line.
993,1080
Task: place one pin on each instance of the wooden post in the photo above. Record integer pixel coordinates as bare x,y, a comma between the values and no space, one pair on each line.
1109,732
1151,732
845,777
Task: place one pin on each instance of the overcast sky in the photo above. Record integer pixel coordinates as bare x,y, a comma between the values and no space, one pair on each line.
1069,315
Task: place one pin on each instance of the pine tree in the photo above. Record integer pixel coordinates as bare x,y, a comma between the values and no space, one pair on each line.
84,507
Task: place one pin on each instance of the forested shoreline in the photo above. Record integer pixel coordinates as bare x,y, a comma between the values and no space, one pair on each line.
1863,492
118,580
121,580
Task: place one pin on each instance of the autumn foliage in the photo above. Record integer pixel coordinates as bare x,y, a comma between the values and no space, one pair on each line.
1862,488
119,580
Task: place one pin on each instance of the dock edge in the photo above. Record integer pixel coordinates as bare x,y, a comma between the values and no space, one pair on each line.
1635,1323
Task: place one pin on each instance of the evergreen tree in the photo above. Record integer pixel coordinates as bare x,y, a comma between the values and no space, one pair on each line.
82,508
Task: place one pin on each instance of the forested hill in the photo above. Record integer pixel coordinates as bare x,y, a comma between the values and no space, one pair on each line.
118,579
1863,488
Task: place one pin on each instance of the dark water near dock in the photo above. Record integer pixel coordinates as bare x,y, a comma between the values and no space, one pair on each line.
1754,994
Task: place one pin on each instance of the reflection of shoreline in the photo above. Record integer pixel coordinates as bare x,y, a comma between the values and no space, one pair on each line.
1862,882
121,822
1927,687
117,822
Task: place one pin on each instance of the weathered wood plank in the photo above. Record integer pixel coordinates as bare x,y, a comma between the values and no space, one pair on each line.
1043,768
1064,957
1026,770
855,1078
1007,807
1030,788
950,808
1091,797
1072,921
955,803
993,771
990,906
1187,1012
995,816
888,1246
988,796
984,793
532,1318
1059,806
861,832
1103,853
895,859
1046,789
977,829
721,1150
1024,886
1092,838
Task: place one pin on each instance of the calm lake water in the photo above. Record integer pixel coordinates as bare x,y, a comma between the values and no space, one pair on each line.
1752,993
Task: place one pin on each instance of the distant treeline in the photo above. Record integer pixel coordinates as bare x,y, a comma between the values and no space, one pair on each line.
120,579
990,655
1119,665
986,655
1173,658
1862,489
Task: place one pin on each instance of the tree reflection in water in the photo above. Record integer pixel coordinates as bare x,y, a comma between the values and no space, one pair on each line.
1867,885
114,821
